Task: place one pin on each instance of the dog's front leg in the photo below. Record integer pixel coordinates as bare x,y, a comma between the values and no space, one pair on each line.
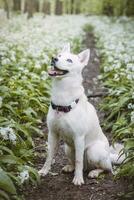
52,149
79,153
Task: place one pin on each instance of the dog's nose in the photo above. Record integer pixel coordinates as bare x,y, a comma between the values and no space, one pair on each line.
54,59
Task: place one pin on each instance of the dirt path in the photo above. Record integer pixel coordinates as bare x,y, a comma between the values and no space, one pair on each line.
60,187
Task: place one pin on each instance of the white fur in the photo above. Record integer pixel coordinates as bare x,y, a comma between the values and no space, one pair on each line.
79,128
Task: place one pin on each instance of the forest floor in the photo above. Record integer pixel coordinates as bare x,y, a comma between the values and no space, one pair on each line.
58,185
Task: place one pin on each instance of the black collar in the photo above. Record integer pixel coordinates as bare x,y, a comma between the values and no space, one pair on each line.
64,108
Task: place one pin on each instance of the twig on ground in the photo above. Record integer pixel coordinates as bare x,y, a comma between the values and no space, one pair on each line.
99,94
91,197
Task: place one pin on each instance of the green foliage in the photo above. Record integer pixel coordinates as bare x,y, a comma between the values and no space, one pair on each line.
24,98
91,7
26,48
6,183
118,77
24,102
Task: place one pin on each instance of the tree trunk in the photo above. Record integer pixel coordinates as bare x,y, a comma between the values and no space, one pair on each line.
46,7
30,8
52,7
64,8
8,4
16,5
69,7
58,7
74,7
22,6
41,2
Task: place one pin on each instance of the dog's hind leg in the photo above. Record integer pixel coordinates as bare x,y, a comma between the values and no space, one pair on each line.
98,154
71,158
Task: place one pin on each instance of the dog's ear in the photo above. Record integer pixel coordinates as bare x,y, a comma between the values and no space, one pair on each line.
66,48
84,56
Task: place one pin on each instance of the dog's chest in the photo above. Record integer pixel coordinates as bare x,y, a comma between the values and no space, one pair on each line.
59,124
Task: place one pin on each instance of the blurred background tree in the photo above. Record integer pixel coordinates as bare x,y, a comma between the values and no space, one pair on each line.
59,7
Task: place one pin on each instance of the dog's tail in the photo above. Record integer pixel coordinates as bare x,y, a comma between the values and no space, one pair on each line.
116,154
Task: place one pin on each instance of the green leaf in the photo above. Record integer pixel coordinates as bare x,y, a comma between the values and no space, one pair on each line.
4,195
6,149
24,130
10,159
6,183
29,112
129,144
9,107
35,173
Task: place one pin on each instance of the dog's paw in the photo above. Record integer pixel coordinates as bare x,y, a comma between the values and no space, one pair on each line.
68,168
43,171
95,173
78,180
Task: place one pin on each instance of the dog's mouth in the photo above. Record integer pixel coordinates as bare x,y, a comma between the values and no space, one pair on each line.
55,71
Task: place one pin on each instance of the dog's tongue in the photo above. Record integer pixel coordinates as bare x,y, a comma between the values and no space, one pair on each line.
52,72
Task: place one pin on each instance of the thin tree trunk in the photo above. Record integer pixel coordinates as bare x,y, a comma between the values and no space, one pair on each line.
52,7
8,4
125,7
74,6
46,7
64,7
16,5
23,6
30,8
41,2
58,7
69,7
7,9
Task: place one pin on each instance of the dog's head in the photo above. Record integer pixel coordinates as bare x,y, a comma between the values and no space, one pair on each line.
66,63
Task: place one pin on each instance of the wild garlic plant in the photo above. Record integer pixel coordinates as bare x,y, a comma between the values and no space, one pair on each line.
115,42
26,47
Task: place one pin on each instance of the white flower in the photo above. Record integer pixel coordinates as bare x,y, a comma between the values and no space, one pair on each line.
37,65
106,68
7,133
5,61
118,92
99,77
13,58
45,59
130,76
130,106
3,133
110,59
34,76
132,116
44,75
23,60
130,67
12,137
24,78
116,77
24,175
26,71
118,65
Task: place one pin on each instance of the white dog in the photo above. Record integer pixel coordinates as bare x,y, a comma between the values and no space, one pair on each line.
72,118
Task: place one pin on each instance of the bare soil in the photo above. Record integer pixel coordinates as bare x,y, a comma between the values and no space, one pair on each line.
59,185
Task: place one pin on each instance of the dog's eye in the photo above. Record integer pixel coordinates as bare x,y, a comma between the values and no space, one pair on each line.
69,60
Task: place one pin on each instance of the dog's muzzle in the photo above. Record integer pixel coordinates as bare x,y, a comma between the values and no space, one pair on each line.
55,71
